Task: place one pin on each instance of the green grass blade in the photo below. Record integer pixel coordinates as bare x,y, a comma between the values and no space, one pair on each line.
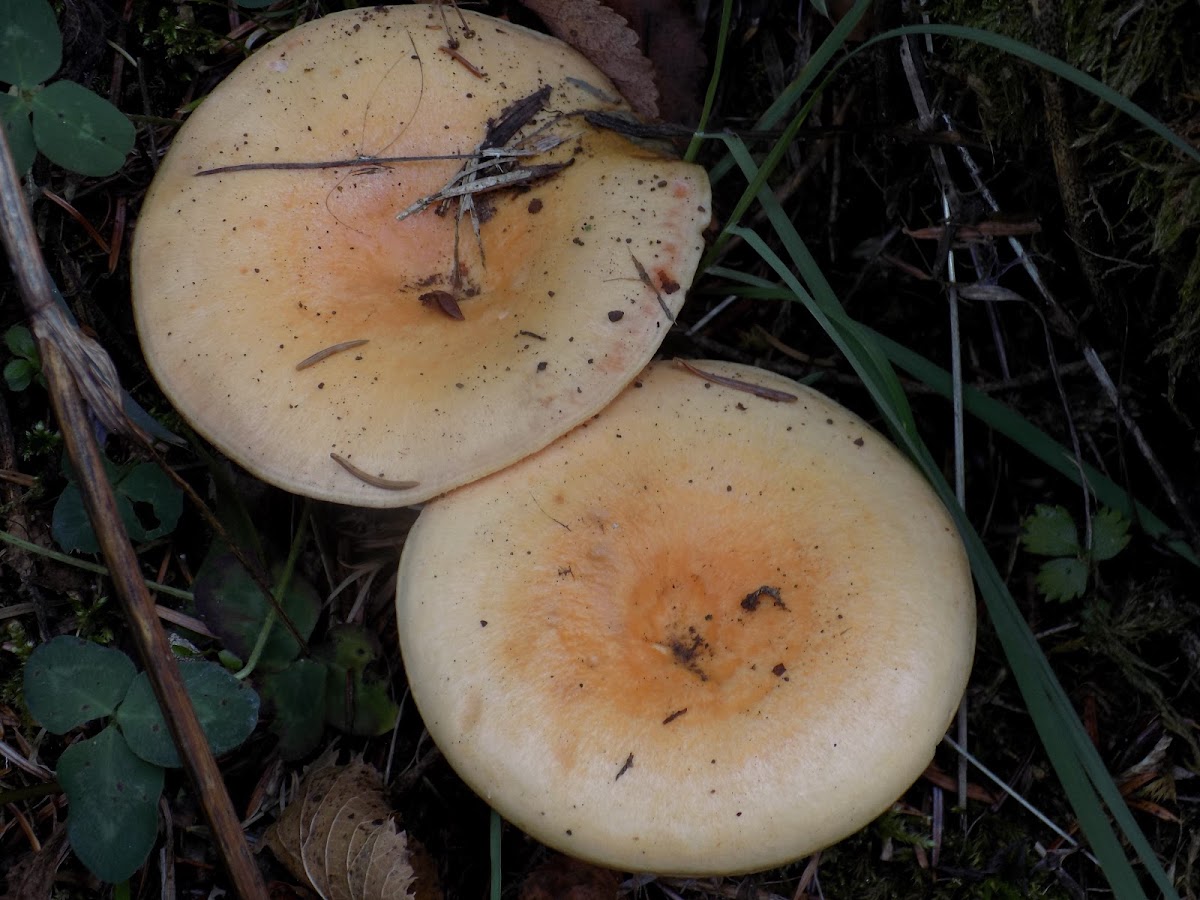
1082,773
495,829
1016,427
999,418
811,71
814,70
1051,64
710,95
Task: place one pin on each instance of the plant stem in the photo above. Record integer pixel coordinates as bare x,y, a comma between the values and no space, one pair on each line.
281,586
96,568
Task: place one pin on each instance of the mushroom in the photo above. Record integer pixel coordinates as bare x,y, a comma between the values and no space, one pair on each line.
353,316
716,628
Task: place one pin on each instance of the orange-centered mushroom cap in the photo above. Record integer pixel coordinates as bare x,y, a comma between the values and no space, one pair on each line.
707,632
341,352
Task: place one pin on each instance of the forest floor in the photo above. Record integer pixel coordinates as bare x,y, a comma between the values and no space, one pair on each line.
1108,217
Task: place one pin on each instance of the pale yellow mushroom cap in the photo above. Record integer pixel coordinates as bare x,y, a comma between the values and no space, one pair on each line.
705,632
240,276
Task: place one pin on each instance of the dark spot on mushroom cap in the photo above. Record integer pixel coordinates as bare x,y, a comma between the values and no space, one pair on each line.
615,315
535,205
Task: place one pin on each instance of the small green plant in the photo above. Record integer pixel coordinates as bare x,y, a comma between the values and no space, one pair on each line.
26,365
113,780
40,440
71,125
341,684
1050,531
92,616
149,504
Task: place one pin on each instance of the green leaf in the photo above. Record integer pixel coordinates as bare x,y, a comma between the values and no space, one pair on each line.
80,131
359,706
18,374
297,697
1084,777
356,688
1110,534
113,820
153,501
14,119
69,681
70,525
233,606
227,710
1062,579
1041,445
1050,531
20,342
149,504
1089,787
30,42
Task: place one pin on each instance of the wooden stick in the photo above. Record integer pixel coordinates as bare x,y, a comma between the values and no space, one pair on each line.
67,396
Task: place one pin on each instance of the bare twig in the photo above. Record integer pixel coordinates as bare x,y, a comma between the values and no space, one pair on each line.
83,382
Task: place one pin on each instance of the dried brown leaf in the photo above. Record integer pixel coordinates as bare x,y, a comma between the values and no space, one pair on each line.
361,863
673,41
401,879
383,857
605,38
284,836
337,836
317,788
32,876
353,781
357,818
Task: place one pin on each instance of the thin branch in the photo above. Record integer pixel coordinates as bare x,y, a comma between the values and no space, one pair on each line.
83,383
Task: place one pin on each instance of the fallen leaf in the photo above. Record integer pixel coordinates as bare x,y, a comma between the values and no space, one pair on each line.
357,782
360,866
32,876
390,857
337,835
363,812
673,41
603,36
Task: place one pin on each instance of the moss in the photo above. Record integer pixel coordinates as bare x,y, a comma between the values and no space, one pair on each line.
1145,194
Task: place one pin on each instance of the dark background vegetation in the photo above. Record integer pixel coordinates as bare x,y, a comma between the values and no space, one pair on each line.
1122,260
